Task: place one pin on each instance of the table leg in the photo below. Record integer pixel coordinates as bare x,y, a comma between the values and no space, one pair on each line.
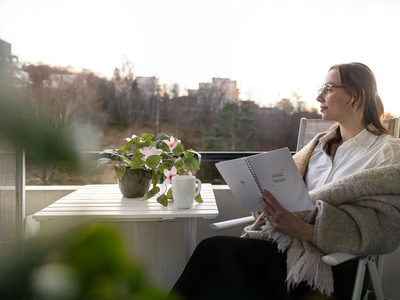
190,236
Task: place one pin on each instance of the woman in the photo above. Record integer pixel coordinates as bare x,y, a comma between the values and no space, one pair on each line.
351,173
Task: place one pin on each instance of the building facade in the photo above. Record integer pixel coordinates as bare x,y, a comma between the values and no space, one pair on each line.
6,61
216,93
148,86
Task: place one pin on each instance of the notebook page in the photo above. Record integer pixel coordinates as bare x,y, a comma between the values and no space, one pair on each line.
278,173
241,182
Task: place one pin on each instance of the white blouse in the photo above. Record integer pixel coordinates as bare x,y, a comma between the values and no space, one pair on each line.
364,151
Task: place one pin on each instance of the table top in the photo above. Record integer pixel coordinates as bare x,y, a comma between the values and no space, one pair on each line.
105,202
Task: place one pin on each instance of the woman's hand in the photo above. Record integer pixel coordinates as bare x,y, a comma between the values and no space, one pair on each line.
284,221
259,222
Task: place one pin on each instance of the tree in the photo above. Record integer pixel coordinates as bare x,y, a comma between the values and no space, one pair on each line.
174,91
235,130
298,104
116,76
285,105
125,87
127,69
62,101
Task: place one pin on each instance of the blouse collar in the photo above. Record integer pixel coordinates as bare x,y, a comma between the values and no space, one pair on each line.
365,139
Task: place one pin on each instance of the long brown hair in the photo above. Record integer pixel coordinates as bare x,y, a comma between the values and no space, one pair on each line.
359,81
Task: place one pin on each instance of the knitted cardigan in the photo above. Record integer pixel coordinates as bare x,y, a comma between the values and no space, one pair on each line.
357,214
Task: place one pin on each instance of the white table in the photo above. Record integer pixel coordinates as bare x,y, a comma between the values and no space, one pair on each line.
104,202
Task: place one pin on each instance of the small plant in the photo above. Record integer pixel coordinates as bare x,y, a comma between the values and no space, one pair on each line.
165,157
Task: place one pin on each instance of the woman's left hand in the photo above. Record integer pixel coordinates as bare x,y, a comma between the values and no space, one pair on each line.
284,221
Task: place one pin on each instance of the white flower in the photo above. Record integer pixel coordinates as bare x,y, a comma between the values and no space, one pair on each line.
133,136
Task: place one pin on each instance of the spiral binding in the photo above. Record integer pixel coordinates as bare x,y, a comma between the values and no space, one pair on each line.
253,173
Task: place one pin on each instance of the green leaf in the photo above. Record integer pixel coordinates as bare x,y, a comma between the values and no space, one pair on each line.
168,164
147,136
127,160
163,200
137,159
178,163
102,161
163,136
118,157
145,144
153,161
198,198
136,167
155,178
132,141
191,162
192,152
119,170
124,149
107,151
164,147
169,193
178,149
151,193
167,155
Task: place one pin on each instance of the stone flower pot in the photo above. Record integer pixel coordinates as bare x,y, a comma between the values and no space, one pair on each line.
135,183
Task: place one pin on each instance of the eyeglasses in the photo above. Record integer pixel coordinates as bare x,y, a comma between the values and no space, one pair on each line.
326,88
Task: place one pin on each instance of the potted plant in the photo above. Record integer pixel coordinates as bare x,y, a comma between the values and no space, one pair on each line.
149,161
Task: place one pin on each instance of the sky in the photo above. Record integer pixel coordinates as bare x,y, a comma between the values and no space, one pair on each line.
271,48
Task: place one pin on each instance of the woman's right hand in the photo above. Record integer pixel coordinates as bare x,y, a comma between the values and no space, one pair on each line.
258,223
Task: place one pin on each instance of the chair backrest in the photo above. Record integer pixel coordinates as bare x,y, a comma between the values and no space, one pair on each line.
309,128
393,126
12,195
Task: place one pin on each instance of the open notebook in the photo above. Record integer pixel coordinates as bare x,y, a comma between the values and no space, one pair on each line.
275,171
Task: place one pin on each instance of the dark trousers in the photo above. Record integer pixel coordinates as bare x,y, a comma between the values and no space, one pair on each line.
225,267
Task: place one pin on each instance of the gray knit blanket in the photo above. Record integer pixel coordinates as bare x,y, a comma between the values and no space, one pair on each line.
357,214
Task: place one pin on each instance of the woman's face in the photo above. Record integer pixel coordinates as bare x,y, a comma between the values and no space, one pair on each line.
336,103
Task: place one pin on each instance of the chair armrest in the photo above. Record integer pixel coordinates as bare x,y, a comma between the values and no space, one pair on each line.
232,223
336,258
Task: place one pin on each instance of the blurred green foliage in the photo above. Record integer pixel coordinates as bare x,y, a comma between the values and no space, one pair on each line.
44,141
89,263
86,264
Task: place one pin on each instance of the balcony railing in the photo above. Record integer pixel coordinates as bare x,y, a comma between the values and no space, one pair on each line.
205,155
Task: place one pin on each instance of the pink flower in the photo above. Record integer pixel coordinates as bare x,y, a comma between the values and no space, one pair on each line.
149,151
169,174
171,142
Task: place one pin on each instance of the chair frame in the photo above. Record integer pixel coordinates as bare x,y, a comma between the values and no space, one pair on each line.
374,263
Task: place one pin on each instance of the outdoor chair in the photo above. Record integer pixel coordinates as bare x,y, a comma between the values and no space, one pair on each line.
309,128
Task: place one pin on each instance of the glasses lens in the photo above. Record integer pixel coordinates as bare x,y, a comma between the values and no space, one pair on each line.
323,90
